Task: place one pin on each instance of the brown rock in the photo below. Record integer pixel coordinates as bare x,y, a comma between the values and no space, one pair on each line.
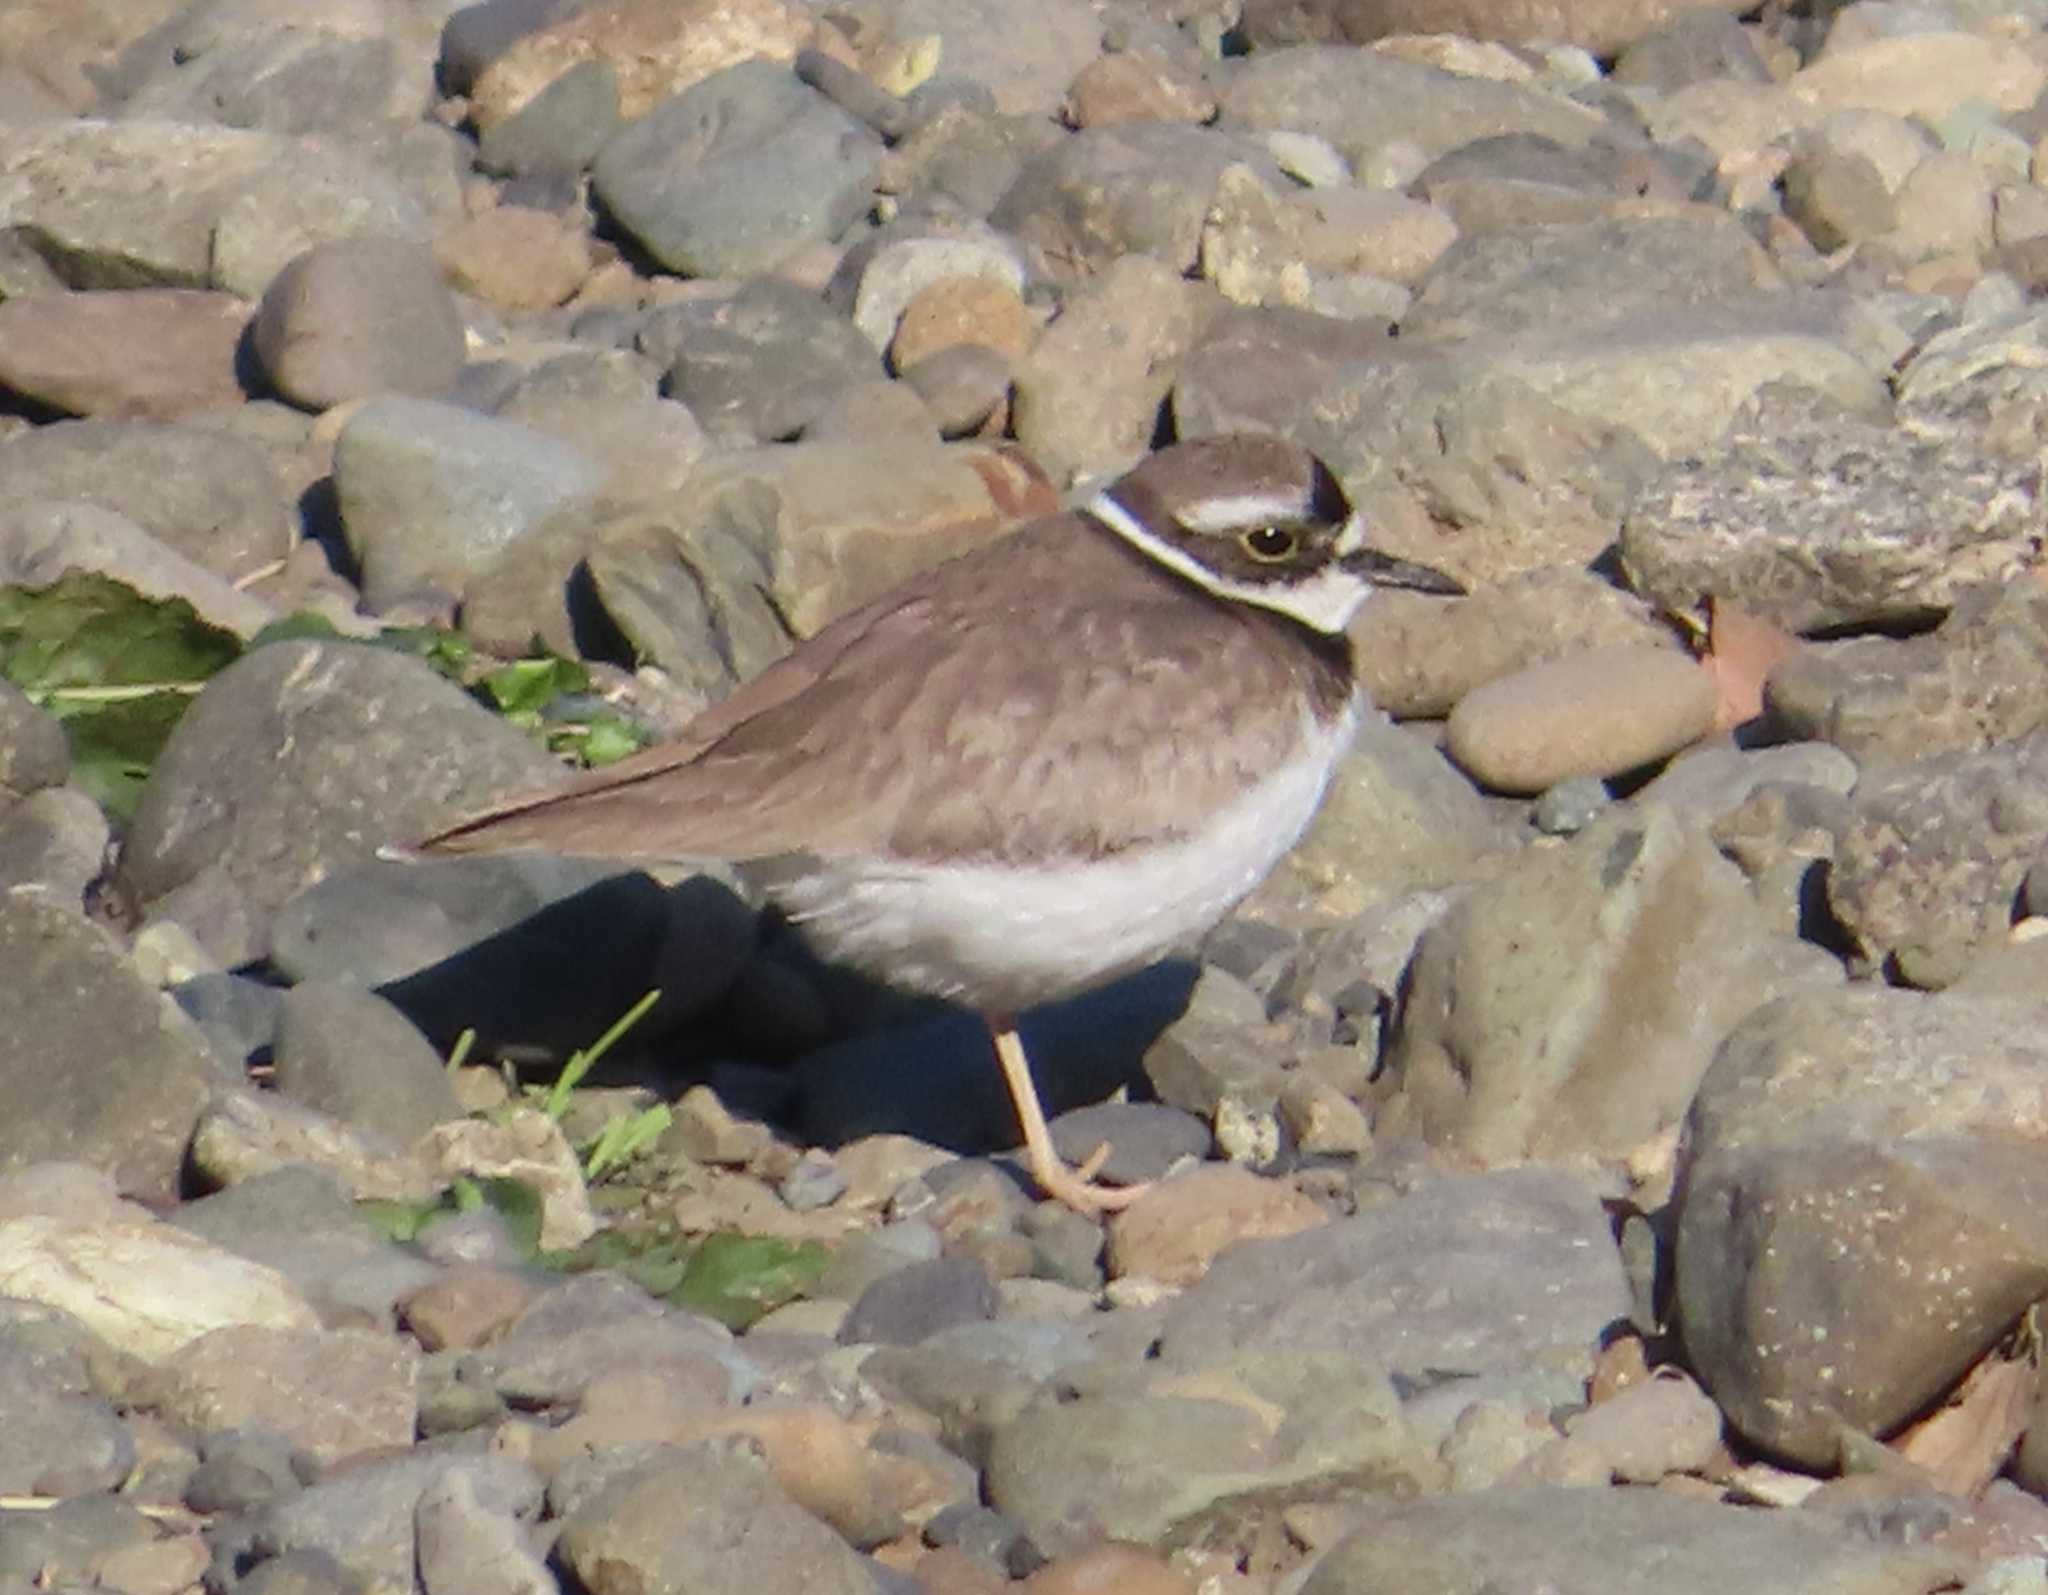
516,257
159,352
1596,714
657,47
1174,1231
966,387
1089,396
1137,86
466,1306
957,310
1927,75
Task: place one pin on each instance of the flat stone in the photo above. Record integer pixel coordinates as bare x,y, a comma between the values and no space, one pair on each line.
335,1394
143,1287
140,204
1598,713
159,352
1628,1542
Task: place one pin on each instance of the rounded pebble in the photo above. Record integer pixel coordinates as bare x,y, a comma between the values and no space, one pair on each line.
1594,714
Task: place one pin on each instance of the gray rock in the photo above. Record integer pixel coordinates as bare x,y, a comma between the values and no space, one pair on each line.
95,1066
1930,862
910,1303
210,65
706,1517
62,1544
966,159
242,1468
738,171
465,1549
1838,198
46,539
55,841
1021,71
430,492
1467,1275
1692,48
304,1572
1361,100
1712,782
1588,1040
348,1052
1981,384
355,747
476,35
1614,1542
963,385
1129,1456
58,1439
561,129
1980,678
875,411
1859,1212
136,204
1145,1139
209,496
33,751
760,366
1106,192
357,317
1812,517
386,919
362,1516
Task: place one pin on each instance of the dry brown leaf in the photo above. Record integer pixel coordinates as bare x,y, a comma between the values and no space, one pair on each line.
1741,651
1966,1441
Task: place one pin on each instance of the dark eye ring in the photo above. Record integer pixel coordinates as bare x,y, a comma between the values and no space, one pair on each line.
1268,542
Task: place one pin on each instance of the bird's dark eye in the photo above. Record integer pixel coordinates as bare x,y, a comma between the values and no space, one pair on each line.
1268,543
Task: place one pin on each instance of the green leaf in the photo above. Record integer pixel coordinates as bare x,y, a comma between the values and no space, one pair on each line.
624,1137
118,669
526,686
86,630
518,1204
447,651
398,1221
737,1278
603,739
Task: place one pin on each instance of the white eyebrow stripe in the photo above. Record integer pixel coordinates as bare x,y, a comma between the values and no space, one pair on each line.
1241,509
1324,602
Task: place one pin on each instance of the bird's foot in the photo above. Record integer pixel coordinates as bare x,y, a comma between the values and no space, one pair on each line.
1076,1187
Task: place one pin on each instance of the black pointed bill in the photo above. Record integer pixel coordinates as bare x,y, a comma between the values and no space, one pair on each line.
1386,570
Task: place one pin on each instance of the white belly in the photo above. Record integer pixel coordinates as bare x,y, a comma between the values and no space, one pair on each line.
1002,940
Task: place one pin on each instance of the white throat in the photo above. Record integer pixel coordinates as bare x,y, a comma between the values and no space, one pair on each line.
1323,602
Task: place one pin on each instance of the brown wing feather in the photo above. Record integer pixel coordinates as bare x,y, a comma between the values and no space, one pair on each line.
1044,726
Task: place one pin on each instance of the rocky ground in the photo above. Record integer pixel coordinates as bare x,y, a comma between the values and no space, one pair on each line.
1608,1156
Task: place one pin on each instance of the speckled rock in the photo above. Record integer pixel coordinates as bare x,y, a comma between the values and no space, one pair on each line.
1858,1221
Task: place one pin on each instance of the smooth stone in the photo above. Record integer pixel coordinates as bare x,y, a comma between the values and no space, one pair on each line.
348,1052
97,1066
143,1287
43,540
1598,714
315,716
734,174
161,352
430,492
